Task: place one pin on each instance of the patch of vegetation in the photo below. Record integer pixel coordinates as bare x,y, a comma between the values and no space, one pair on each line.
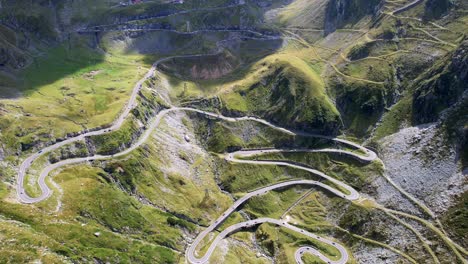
25,244
89,201
393,120
238,254
455,220
361,104
283,90
3,190
118,140
222,139
244,177
174,221
273,203
310,213
283,243
359,51
311,259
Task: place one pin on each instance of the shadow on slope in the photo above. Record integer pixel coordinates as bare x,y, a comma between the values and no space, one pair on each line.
54,63
59,62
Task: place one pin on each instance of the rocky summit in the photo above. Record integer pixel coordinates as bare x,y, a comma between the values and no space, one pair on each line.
234,131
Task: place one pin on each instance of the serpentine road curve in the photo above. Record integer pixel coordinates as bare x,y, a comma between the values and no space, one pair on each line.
298,255
351,195
46,192
191,250
232,157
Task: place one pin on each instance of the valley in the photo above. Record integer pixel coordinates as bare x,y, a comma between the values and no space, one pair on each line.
234,132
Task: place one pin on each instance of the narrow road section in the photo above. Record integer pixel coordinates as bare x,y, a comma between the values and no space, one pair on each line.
46,191
298,255
192,249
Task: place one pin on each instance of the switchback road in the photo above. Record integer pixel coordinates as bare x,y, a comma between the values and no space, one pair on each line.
298,255
351,194
46,192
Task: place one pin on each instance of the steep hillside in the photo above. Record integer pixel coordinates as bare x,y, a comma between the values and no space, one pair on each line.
441,86
286,91
340,14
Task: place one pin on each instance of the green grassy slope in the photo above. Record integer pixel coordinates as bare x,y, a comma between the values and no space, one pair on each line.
283,89
128,231
67,91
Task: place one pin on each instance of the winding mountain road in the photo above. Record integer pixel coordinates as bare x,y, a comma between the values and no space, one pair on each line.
46,191
26,164
406,7
363,154
298,255
115,126
350,194
232,157
353,194
191,250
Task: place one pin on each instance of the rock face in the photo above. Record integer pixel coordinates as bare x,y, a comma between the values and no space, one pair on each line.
12,45
341,12
418,159
202,67
435,9
2,154
441,86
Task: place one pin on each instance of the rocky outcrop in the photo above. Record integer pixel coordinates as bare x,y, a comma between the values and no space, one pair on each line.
441,86
342,12
435,9
202,67
12,46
